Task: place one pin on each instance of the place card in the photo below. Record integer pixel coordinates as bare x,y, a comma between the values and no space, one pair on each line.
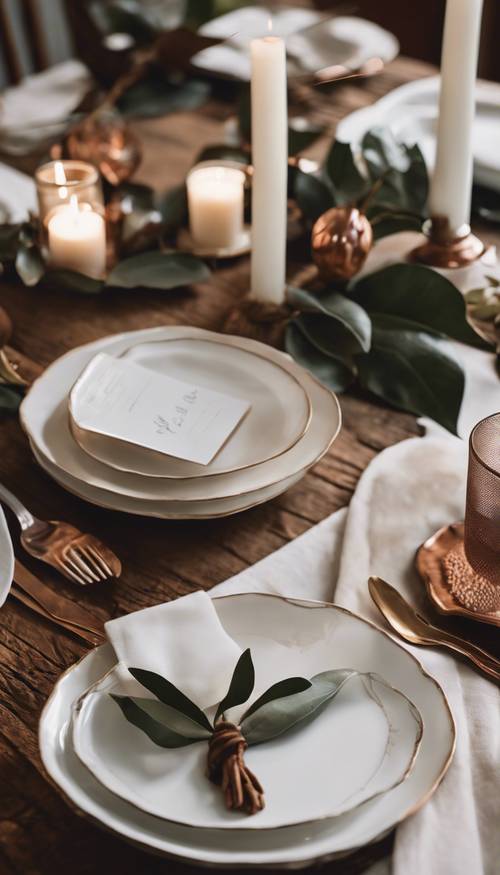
123,400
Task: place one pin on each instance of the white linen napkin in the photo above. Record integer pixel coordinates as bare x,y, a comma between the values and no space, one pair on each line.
182,640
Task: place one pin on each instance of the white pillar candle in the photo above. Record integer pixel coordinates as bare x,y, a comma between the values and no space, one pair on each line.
77,239
270,169
215,202
451,187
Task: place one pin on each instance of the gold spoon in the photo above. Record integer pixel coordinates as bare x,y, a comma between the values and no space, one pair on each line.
414,629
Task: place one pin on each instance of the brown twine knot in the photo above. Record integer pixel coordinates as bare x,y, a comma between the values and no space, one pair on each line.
226,768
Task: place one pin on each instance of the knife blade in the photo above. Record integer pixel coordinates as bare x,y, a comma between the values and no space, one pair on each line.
57,606
29,602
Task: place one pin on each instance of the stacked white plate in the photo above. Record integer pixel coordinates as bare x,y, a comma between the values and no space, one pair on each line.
411,112
372,757
292,421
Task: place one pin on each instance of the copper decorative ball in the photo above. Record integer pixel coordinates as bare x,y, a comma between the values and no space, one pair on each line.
341,239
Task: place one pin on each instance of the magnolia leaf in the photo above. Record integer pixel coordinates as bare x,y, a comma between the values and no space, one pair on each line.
333,373
156,96
313,196
287,687
281,715
347,181
75,282
486,204
167,693
158,270
412,370
382,152
420,294
144,713
335,306
241,686
10,399
30,265
328,337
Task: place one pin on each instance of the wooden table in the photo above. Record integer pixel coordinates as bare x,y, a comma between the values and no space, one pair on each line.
39,833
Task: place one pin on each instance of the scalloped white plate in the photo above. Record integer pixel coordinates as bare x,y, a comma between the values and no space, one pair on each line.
6,559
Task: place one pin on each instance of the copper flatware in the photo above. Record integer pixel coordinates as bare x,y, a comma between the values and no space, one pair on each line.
56,605
20,596
416,630
80,557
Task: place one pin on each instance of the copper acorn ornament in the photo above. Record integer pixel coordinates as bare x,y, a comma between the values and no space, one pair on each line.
341,239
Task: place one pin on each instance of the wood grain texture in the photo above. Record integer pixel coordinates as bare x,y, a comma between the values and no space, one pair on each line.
39,834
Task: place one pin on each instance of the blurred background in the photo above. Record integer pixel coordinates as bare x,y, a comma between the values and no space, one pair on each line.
38,33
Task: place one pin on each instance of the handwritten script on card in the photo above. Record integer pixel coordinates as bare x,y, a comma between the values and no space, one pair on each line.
122,400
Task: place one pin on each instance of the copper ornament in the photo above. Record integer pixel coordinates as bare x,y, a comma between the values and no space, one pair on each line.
341,240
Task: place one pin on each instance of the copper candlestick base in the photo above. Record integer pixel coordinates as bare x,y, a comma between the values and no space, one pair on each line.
443,250
258,320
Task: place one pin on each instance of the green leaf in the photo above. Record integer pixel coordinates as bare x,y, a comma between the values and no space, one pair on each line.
10,399
386,223
9,235
402,169
287,687
157,96
167,693
341,169
74,282
301,134
281,715
157,270
420,294
333,373
335,306
29,265
486,204
241,686
312,195
144,714
173,207
412,370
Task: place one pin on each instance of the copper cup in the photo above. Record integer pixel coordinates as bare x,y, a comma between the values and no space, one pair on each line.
482,511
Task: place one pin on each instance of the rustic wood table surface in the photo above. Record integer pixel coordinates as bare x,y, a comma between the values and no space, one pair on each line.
39,833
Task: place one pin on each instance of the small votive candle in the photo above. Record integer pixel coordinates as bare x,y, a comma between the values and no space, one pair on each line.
215,202
77,239
58,181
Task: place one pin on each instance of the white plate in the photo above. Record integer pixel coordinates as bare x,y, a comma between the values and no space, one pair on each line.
165,510
269,385
362,745
6,559
411,112
279,631
312,41
44,417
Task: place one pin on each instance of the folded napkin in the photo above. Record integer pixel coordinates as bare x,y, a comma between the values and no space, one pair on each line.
182,640
17,195
38,107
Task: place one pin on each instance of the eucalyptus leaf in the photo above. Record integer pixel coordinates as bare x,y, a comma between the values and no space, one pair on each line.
313,196
167,693
74,282
287,687
351,316
30,266
333,373
419,294
10,399
281,715
158,270
144,713
412,370
341,169
241,686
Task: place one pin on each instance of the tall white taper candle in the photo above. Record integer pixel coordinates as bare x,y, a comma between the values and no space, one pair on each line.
270,169
451,187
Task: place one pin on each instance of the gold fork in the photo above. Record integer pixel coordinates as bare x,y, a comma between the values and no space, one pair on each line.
80,557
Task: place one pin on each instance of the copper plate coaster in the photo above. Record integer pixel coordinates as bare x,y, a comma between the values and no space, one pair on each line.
185,243
443,567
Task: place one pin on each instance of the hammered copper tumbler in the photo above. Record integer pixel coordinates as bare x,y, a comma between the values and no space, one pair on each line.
482,511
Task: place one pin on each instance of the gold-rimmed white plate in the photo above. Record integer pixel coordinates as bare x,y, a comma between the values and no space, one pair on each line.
279,415
279,631
45,419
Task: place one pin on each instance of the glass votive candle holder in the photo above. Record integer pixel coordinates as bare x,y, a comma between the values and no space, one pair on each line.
60,182
215,193
482,510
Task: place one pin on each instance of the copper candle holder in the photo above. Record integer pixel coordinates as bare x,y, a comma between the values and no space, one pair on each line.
446,250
